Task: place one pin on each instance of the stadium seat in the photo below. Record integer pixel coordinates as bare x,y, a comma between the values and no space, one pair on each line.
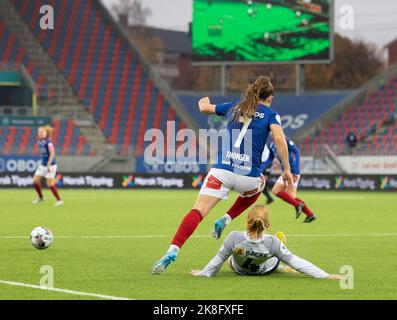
11,52
376,111
103,70
22,140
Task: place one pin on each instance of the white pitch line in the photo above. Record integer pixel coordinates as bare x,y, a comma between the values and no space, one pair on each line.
344,235
72,292
204,236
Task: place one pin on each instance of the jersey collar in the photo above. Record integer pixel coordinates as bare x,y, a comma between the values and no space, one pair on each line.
255,241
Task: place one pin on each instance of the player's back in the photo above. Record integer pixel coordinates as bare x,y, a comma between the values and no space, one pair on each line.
243,153
249,256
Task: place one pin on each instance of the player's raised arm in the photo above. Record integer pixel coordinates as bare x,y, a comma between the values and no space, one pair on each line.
206,106
282,149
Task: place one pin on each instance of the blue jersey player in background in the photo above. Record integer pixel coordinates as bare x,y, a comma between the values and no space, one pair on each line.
238,167
48,166
279,187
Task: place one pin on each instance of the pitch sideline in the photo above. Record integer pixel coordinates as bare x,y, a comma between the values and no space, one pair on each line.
72,292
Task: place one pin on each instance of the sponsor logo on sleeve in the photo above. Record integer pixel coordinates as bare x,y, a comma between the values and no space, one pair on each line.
284,249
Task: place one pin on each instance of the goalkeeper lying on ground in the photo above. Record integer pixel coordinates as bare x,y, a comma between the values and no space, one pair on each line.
255,253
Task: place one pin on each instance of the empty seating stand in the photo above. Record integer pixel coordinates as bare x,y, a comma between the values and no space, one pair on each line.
23,140
11,52
377,110
103,71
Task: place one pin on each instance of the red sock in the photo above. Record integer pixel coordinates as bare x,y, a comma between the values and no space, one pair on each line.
241,205
37,186
287,198
55,193
188,225
306,209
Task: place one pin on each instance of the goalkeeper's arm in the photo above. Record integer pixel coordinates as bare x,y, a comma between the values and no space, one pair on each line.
213,267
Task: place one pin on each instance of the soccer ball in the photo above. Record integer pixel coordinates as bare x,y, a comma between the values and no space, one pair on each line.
41,238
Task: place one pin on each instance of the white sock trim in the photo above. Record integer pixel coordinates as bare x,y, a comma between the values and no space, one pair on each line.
174,247
228,218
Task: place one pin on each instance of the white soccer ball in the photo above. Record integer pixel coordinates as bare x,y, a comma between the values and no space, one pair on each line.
41,238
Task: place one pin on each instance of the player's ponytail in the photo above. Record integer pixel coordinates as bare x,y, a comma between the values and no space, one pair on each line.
259,91
49,130
258,221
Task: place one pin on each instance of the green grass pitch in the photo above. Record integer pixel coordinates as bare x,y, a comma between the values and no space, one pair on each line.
357,229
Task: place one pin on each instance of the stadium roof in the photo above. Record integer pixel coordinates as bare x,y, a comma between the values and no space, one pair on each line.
174,41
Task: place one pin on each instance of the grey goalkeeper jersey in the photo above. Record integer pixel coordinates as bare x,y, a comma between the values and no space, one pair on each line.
249,257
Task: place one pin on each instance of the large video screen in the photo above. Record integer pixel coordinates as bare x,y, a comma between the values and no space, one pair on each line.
262,30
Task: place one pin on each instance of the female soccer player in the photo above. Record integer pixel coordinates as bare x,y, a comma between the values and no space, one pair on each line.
279,189
239,161
48,167
255,253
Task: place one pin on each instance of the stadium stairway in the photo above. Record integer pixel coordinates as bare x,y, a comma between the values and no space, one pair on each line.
67,105
106,71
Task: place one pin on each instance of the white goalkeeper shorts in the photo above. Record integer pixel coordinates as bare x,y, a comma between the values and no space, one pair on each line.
43,172
219,183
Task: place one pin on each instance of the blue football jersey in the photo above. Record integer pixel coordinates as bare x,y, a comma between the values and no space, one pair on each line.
294,157
243,144
44,148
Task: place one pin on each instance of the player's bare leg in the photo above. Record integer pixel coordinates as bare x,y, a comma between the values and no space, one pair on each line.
51,183
38,188
204,204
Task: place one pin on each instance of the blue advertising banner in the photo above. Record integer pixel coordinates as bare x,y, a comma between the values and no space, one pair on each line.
17,164
172,168
297,112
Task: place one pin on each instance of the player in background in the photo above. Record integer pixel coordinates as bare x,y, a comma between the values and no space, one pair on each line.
255,253
279,189
238,167
48,167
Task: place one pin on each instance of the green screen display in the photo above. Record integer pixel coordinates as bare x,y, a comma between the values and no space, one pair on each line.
261,31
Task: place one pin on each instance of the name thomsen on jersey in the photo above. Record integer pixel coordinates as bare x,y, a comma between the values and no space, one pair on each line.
237,156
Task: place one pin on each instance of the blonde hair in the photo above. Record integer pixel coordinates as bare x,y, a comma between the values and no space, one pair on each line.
49,130
259,91
258,221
